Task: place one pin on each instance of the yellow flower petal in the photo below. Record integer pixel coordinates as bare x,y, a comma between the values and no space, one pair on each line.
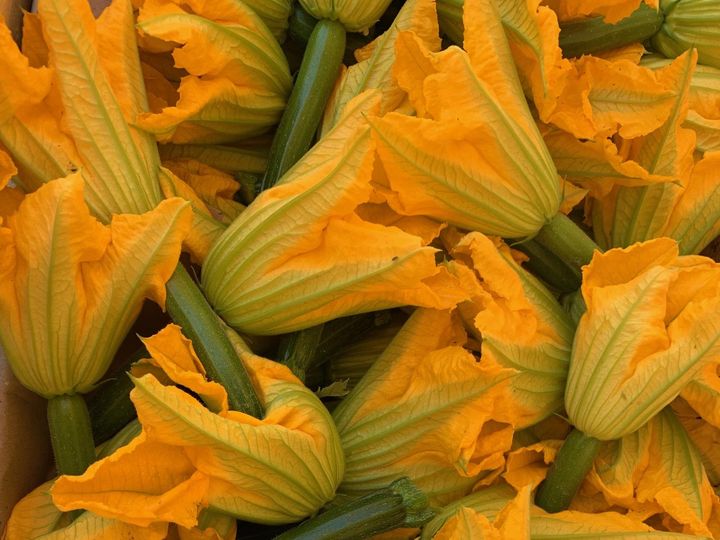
216,188
522,327
212,526
183,367
374,68
7,169
30,119
425,410
628,214
120,176
487,502
117,49
649,328
213,111
704,114
278,470
466,523
299,254
596,164
612,10
621,96
703,393
23,84
35,517
205,229
33,42
71,290
238,78
704,435
658,464
528,466
512,521
142,483
479,161
532,32
610,525
10,199
274,13
694,219
229,159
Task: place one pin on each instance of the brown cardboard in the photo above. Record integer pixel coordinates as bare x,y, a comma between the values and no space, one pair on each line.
25,455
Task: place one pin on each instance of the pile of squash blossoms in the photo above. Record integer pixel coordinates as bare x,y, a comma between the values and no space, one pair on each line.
415,290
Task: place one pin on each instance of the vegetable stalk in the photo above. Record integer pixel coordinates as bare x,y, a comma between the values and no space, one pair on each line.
399,505
567,472
189,309
591,35
70,434
313,86
567,241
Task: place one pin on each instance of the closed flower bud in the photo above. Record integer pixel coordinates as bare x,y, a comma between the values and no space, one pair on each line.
651,325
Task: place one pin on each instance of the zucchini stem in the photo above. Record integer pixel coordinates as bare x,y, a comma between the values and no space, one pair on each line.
189,308
573,461
70,434
314,84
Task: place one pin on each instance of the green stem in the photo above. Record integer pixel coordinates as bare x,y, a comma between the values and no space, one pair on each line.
70,434
590,35
567,472
298,350
562,237
314,84
109,404
450,17
189,309
549,267
309,348
399,505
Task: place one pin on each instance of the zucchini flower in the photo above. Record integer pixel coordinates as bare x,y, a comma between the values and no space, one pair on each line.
35,516
666,333
78,115
473,156
300,254
690,24
520,324
496,512
632,214
195,453
655,471
703,115
704,435
73,288
425,410
237,78
70,292
649,328
354,16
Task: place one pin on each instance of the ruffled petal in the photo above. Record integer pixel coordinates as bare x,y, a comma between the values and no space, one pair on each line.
299,254
648,329
73,288
425,409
